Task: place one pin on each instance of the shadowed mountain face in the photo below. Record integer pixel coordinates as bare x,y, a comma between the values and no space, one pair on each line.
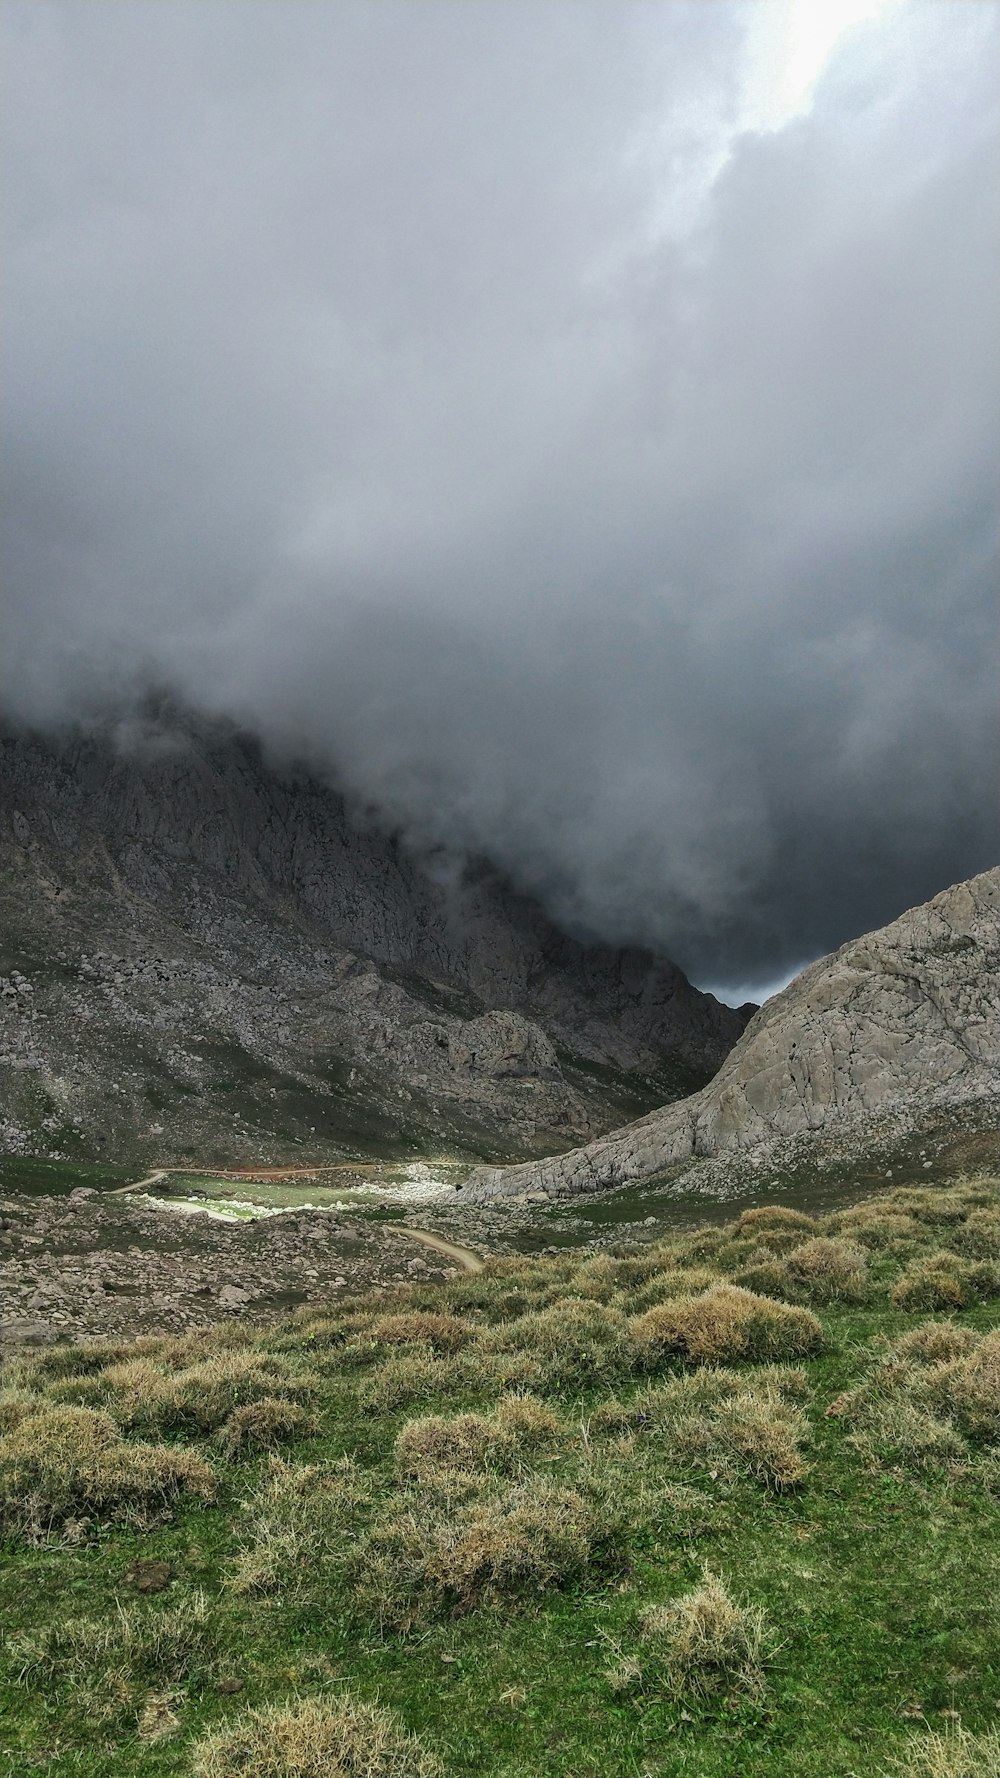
890,1027
203,955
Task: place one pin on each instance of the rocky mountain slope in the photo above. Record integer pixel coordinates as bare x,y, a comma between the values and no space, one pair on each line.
888,1028
203,954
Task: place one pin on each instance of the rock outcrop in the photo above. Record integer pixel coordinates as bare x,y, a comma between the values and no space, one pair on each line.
901,1020
202,953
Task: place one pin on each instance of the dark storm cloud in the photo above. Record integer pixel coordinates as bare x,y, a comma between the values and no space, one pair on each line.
396,379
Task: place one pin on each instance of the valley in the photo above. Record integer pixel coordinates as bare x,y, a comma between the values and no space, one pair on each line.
85,1255
431,1345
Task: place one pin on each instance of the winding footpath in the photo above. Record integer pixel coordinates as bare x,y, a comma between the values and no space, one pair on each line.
466,1257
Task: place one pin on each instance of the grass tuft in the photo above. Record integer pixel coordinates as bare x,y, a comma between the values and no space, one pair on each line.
137,1641
340,1737
567,1347
262,1426
765,1218
438,1448
66,1461
412,1376
426,1553
949,1753
701,1643
944,1280
722,1324
931,1398
299,1520
752,1433
442,1332
145,1393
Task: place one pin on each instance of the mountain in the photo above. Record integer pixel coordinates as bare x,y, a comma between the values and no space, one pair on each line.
206,955
888,1029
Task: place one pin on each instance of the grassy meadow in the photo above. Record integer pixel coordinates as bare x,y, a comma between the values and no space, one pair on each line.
727,1506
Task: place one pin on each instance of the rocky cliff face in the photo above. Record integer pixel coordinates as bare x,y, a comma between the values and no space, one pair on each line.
201,953
892,1024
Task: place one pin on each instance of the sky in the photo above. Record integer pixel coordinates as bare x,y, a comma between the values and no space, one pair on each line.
571,426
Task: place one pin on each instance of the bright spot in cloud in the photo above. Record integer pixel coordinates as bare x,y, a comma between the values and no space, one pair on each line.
790,43
787,45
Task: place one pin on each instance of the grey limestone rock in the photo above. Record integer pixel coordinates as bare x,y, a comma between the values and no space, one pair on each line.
210,955
893,1023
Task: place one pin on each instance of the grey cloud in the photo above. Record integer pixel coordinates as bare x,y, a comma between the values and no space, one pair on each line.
354,387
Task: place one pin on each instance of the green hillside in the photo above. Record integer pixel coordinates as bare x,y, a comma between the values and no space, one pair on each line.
727,1507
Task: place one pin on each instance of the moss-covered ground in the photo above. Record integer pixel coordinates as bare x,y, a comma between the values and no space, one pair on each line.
465,1504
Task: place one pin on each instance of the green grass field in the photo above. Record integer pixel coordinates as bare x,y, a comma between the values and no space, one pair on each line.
727,1507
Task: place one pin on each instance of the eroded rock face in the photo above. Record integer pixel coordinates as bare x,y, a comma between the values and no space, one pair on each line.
503,1046
205,955
906,1017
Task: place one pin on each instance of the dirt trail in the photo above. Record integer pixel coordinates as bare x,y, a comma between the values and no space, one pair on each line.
466,1257
139,1185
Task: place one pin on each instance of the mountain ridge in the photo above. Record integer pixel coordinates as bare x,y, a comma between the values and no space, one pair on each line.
889,1026
176,891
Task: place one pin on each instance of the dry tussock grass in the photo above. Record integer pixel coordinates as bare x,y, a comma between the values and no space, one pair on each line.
933,1206
665,1284
635,1280
422,1327
616,1419
830,1269
943,1280
701,1643
321,1331
438,1447
874,1226
262,1426
931,1399
825,1269
412,1376
963,1219
896,1430
953,1752
698,1247
691,1392
137,1643
573,1343
604,1276
37,1369
966,1390
979,1235
340,1737
144,1392
754,1433
167,1352
426,1552
934,1342
723,1323
301,1517
486,1372
69,1461
513,1285
15,1405
736,1423
771,1218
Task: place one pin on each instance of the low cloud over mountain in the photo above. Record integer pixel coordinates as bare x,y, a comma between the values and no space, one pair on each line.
585,448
